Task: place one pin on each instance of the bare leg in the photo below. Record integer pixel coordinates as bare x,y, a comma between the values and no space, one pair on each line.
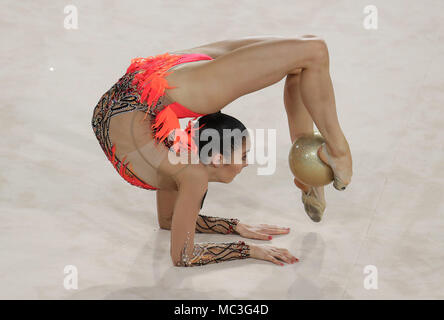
258,65
300,122
316,92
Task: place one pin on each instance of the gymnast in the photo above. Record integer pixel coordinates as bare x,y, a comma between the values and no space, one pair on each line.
137,125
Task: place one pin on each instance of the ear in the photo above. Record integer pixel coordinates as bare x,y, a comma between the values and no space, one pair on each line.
216,160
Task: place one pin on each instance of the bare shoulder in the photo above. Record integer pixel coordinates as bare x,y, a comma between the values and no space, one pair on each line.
193,177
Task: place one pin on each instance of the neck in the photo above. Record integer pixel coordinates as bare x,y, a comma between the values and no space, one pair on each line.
212,173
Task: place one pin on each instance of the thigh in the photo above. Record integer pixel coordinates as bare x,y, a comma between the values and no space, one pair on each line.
209,86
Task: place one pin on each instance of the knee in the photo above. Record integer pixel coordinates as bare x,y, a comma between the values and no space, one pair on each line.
317,51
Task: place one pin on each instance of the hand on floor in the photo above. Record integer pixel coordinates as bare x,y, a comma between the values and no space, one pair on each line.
260,232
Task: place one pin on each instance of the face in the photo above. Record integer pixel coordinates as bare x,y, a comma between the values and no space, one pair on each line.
229,170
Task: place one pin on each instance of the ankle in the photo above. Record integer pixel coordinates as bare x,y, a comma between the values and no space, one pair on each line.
338,149
338,152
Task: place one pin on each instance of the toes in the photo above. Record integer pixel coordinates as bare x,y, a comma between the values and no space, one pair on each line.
338,184
314,214
338,187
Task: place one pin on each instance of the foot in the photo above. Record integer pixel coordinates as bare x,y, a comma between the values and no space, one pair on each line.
313,199
314,203
341,166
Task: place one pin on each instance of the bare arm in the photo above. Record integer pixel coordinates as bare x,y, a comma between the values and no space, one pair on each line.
166,200
184,252
219,48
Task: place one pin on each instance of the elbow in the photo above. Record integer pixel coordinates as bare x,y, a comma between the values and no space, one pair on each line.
177,263
178,260
165,226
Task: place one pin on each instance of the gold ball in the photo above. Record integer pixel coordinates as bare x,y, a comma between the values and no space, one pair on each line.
305,163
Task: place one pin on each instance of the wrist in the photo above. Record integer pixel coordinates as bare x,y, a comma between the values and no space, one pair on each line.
251,250
244,249
233,225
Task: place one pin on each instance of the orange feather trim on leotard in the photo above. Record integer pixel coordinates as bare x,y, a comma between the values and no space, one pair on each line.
125,172
166,121
151,84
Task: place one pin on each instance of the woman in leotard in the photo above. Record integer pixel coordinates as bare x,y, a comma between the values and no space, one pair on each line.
136,124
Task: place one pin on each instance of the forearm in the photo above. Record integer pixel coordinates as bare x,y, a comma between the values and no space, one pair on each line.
208,224
207,253
184,252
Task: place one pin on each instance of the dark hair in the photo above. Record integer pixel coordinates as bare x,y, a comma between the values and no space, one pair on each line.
219,121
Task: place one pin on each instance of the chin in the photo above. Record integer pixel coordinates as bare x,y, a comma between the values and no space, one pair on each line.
227,180
232,178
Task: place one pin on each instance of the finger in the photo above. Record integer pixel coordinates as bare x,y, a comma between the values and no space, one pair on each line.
275,231
281,254
256,235
274,260
273,227
283,257
269,225
261,236
286,253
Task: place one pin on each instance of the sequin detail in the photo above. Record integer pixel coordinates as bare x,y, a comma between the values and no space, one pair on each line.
208,224
206,253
